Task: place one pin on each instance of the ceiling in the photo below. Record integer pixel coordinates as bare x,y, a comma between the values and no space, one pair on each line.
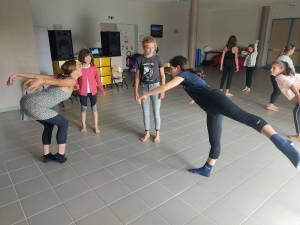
223,4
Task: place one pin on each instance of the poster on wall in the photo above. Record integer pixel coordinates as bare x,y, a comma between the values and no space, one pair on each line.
141,36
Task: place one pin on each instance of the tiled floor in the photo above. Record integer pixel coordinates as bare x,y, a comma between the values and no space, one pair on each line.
114,179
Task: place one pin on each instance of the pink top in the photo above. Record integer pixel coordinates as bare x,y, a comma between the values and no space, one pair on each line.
92,76
285,82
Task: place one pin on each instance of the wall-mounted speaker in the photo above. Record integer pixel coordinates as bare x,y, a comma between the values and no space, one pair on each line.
61,45
110,41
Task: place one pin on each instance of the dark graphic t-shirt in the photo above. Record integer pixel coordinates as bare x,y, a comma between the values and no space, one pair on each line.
149,68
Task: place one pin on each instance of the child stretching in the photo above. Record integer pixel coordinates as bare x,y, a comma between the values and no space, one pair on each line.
289,83
284,55
250,61
87,87
216,105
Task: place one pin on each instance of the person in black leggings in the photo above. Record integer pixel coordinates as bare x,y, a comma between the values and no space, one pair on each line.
217,105
229,63
275,94
284,55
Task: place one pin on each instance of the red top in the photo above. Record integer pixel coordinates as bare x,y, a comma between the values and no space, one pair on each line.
91,74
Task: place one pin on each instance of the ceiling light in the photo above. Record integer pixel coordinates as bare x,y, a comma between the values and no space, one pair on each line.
292,4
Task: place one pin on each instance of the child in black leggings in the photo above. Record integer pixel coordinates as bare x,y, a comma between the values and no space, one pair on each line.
216,104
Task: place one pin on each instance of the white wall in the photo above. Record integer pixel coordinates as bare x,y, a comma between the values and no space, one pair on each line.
243,23
83,18
279,12
18,49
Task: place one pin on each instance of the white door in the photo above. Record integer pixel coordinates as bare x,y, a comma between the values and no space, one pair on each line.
127,41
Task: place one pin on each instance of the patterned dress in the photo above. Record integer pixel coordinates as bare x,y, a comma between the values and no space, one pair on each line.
37,106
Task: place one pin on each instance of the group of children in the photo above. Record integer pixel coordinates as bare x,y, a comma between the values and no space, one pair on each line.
150,75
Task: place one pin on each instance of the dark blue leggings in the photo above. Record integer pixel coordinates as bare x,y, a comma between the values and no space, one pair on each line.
218,105
62,131
276,91
249,73
228,70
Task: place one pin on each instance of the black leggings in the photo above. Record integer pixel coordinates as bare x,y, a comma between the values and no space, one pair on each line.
217,105
276,91
296,114
62,131
249,73
228,69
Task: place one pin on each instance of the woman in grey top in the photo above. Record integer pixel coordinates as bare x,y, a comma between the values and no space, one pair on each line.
37,106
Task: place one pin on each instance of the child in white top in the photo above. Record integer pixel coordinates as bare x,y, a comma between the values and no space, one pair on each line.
289,83
250,61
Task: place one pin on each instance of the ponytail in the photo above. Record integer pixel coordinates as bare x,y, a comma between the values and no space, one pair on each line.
200,73
285,50
280,54
66,69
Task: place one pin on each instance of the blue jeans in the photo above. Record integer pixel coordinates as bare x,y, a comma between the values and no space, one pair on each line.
155,105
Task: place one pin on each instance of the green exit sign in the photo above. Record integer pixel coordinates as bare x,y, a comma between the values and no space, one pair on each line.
111,18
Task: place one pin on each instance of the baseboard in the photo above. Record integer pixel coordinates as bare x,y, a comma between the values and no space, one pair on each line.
11,108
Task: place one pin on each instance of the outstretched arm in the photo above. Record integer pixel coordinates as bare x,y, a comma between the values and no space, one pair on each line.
255,46
163,81
136,84
222,58
173,83
236,59
13,77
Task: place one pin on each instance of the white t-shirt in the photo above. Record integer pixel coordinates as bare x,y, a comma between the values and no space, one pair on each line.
87,83
288,60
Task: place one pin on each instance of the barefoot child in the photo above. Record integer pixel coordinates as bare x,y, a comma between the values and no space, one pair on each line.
289,83
149,70
87,87
284,55
250,61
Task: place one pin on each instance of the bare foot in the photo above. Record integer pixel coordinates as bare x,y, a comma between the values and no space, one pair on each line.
97,131
147,135
245,89
156,139
248,90
229,94
294,137
83,129
272,108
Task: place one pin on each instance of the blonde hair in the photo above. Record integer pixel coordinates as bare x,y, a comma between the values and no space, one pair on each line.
147,40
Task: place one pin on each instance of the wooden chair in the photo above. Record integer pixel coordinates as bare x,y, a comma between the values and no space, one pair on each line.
118,77
167,69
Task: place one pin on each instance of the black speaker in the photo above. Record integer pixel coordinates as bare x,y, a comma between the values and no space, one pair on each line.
61,45
110,41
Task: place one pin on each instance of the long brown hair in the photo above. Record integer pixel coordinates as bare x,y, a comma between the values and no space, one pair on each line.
252,46
182,62
232,42
285,50
66,69
83,53
285,66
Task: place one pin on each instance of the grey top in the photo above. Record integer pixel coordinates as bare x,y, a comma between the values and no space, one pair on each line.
37,106
149,68
288,60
